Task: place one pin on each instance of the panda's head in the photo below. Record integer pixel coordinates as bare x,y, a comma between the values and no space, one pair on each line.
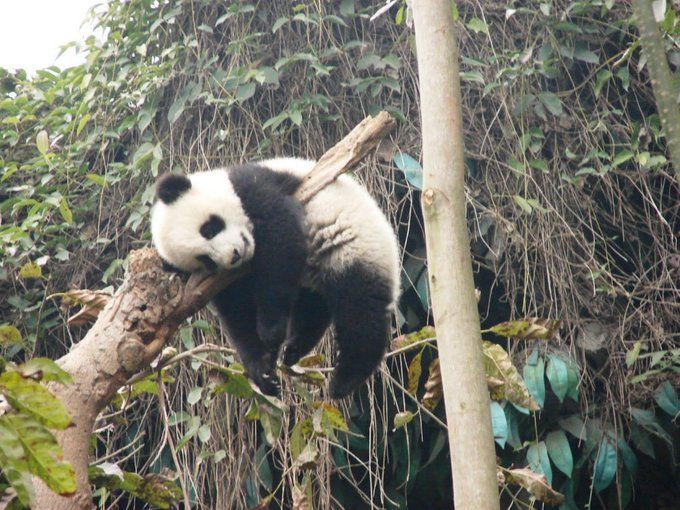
198,222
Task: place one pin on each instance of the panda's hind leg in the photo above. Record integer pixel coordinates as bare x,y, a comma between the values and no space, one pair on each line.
310,320
360,300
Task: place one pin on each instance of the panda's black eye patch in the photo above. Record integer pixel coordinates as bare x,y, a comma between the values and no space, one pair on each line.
212,227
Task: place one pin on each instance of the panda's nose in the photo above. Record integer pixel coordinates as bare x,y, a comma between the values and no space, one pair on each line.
235,257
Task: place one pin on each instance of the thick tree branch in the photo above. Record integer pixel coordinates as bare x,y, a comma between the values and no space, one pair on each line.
146,311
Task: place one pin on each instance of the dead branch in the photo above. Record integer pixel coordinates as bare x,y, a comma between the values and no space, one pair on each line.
146,311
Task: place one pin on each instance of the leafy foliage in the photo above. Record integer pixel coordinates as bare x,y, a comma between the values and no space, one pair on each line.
27,447
570,205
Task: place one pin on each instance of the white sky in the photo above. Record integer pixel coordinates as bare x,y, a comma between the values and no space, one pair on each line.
31,32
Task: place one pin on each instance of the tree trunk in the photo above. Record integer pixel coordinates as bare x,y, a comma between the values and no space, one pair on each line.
665,93
473,456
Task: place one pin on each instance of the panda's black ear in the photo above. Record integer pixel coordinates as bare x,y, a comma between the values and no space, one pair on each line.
169,187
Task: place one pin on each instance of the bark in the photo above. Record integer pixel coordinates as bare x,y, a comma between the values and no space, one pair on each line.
473,456
662,83
144,314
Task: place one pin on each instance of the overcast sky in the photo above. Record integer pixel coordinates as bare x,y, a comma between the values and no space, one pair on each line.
31,32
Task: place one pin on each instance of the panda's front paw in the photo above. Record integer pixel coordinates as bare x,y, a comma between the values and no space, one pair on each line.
268,383
291,353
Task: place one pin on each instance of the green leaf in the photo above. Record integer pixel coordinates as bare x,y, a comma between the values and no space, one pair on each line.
13,464
334,417
44,369
497,363
279,23
33,398
585,55
237,385
602,78
605,465
541,165
575,426
622,157
143,151
533,377
83,122
650,423
194,395
551,102
557,372
527,329
472,76
204,433
411,168
30,271
299,437
523,203
65,210
271,425
42,141
176,109
402,419
667,399
499,424
296,117
42,452
537,457
559,451
477,25
628,456
633,354
512,418
9,335
415,369
245,91
97,179
399,18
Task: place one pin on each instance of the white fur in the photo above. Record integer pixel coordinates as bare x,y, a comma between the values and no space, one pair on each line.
175,227
345,225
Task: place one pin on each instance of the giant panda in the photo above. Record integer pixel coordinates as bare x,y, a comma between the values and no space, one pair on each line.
333,260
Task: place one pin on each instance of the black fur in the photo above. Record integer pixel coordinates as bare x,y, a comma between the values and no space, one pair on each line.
267,308
356,299
257,310
170,187
212,227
